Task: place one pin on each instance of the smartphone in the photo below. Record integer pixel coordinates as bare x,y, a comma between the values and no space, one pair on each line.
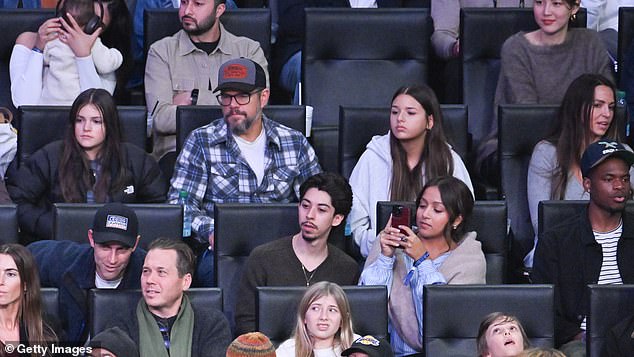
401,217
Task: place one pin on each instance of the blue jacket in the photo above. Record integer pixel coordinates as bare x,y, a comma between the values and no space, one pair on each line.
70,267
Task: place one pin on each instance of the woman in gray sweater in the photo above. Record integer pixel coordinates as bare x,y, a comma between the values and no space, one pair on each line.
585,116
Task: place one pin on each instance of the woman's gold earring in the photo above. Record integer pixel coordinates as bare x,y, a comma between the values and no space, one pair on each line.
573,17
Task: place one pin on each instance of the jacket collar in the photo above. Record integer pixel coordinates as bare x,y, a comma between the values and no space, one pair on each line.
628,227
186,45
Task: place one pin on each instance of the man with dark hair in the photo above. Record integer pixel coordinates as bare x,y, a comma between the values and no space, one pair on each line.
165,322
306,257
181,69
242,157
593,247
110,261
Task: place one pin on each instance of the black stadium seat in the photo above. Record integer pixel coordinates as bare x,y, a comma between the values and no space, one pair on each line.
9,223
71,221
39,125
452,314
277,306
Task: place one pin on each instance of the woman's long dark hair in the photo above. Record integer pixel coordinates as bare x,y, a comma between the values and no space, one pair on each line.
75,173
30,312
117,35
572,134
458,201
436,155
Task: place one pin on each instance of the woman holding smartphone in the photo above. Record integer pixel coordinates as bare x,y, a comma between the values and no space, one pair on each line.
396,165
439,252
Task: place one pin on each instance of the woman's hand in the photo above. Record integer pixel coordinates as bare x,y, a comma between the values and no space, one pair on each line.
390,239
73,35
412,245
48,31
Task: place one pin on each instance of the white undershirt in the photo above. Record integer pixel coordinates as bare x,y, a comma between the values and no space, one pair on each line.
106,284
253,153
363,4
609,273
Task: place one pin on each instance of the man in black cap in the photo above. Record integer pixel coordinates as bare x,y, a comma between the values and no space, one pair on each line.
110,261
594,247
369,346
243,157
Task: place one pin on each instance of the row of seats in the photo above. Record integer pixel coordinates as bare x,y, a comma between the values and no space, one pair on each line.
338,70
452,313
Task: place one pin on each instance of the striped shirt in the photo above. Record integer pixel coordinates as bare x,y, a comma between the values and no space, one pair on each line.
211,168
609,273
380,273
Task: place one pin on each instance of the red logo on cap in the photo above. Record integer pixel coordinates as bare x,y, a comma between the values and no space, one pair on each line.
235,71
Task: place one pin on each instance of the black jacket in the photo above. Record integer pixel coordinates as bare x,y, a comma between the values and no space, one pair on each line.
70,267
35,186
619,341
569,257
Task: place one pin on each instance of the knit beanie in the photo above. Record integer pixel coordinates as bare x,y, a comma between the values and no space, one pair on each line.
251,344
115,341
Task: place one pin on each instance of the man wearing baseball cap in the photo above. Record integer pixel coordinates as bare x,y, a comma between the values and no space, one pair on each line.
242,157
369,346
110,261
594,247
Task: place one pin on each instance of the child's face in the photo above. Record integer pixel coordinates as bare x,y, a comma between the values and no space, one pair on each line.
504,339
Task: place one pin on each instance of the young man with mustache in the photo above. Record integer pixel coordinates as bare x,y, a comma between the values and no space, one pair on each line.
187,61
594,247
242,157
306,257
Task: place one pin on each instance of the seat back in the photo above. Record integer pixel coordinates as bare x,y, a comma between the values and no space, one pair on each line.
252,23
482,33
12,23
382,49
552,213
609,304
71,221
488,220
520,128
357,126
9,223
39,125
103,304
50,302
625,40
191,117
233,243
452,314
276,310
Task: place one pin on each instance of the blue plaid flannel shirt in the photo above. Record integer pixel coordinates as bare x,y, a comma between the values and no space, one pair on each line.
211,169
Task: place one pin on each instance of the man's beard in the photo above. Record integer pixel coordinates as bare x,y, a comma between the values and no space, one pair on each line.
205,25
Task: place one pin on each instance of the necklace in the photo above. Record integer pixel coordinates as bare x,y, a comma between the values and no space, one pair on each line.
307,277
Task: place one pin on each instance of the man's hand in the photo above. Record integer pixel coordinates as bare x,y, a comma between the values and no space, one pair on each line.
211,241
182,98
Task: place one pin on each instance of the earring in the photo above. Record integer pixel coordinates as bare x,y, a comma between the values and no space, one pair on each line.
455,226
573,17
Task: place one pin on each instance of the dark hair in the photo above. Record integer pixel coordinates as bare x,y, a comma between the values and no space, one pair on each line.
436,155
30,312
572,134
489,319
75,174
458,201
335,185
185,258
82,10
117,35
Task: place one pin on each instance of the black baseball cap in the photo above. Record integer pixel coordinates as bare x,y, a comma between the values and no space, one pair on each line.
241,74
115,222
371,346
597,152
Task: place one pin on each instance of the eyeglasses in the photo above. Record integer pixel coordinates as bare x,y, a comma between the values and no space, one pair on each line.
241,98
